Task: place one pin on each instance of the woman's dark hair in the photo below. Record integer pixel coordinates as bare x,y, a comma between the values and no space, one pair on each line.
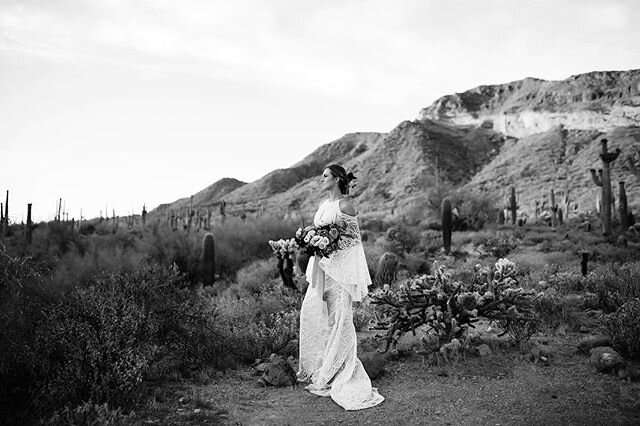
344,178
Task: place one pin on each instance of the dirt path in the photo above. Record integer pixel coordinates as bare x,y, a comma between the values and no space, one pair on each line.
502,390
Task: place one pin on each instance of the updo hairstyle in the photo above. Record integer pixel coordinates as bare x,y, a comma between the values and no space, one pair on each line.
344,178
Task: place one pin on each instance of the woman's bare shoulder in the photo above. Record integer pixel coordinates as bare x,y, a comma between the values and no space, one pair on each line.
346,207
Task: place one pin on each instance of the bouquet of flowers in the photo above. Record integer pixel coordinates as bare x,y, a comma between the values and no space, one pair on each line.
319,240
282,247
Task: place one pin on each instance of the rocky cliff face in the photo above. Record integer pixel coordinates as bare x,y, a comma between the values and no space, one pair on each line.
534,134
594,101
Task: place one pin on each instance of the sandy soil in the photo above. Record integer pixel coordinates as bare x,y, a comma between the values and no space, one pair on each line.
501,390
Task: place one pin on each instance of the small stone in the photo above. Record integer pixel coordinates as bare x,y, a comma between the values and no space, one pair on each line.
183,400
591,342
484,350
197,410
584,329
605,359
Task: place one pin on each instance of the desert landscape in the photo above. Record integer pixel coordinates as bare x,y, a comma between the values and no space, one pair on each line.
499,230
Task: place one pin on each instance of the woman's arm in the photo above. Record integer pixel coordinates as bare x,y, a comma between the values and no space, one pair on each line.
346,207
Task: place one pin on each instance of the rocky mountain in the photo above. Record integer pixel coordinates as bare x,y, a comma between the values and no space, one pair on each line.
593,101
531,133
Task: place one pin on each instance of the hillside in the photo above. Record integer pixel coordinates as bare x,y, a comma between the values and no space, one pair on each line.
532,133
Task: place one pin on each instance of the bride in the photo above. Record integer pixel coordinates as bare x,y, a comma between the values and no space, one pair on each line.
328,355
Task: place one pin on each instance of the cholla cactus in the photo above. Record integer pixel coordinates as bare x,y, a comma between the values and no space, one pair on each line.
448,307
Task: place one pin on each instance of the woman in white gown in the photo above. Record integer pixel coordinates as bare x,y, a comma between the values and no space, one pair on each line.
328,345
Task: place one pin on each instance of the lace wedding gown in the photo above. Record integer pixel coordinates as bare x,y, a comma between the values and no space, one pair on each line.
328,355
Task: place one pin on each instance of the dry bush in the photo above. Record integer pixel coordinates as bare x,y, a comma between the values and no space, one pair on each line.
623,327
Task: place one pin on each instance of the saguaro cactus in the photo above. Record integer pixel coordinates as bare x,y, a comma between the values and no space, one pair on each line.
223,210
554,209
5,222
208,260
513,207
624,215
144,214
604,181
29,230
584,263
387,270
447,223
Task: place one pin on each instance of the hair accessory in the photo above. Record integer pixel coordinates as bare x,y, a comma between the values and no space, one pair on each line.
350,177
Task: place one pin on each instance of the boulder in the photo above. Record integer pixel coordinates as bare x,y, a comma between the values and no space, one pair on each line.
373,363
605,359
591,342
278,372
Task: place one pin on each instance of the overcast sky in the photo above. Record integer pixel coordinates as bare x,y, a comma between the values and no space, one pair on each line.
110,104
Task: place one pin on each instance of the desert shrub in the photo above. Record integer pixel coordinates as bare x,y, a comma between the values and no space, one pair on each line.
555,309
19,276
623,327
614,284
401,239
472,209
258,276
89,413
501,244
258,324
363,314
167,247
100,340
520,330
431,240
273,333
475,209
240,242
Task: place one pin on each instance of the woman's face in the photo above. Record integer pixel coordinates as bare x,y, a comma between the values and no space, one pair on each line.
328,180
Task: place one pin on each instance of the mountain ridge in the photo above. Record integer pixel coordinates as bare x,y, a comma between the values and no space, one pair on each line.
531,133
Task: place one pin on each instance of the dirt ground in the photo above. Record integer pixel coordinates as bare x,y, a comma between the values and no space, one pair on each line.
503,389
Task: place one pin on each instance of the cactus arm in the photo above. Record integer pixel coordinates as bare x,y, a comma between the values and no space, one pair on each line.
597,179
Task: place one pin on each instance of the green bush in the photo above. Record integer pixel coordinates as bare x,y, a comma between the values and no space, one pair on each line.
623,327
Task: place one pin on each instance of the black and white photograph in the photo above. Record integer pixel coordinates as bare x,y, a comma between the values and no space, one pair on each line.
295,212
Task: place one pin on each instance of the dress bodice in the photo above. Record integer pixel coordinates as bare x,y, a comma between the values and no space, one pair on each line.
327,213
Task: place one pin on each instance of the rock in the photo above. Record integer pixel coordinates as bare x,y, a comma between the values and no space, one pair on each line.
633,373
278,372
584,329
373,363
605,359
591,342
484,350
260,368
183,400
